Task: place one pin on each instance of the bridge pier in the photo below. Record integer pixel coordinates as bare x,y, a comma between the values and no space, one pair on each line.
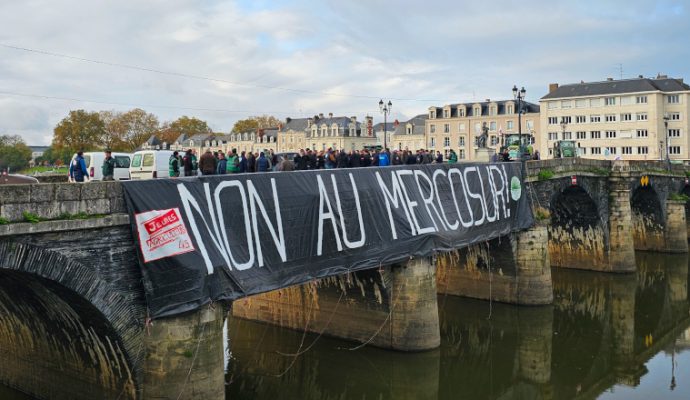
621,249
393,307
185,357
514,269
675,229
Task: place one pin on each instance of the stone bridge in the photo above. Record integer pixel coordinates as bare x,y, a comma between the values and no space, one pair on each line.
74,314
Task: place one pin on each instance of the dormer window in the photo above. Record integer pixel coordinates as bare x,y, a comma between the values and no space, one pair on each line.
191,143
409,129
509,109
432,114
477,111
446,113
461,111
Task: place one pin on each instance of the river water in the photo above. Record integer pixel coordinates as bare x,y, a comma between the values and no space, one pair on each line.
606,336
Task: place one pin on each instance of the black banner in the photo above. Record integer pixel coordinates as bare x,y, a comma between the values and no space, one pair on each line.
224,237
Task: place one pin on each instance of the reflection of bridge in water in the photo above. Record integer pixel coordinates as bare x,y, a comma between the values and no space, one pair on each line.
600,332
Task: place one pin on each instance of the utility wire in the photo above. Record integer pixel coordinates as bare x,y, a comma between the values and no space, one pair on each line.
205,78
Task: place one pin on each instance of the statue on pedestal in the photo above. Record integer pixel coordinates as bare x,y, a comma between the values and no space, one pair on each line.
481,140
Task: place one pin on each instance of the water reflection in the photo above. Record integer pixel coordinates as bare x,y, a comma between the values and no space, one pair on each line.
603,336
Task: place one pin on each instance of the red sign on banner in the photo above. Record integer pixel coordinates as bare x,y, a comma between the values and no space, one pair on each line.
573,180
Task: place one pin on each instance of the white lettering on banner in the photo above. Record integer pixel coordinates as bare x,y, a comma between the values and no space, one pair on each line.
395,198
454,226
363,235
218,230
499,192
465,224
411,204
475,195
324,200
429,201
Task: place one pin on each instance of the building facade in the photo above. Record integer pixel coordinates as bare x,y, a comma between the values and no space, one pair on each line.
324,132
634,119
457,126
409,135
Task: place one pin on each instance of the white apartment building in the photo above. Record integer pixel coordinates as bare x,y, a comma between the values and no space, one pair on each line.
633,119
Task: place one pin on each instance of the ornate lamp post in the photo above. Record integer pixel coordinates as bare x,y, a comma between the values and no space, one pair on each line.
385,109
666,118
519,95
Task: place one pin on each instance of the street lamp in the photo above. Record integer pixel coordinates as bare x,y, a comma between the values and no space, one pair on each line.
519,95
385,109
666,118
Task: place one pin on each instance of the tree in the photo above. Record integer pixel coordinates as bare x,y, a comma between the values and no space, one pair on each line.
183,125
127,131
14,153
81,130
55,157
254,123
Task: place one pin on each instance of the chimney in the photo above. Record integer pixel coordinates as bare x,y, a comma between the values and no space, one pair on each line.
330,115
553,87
320,115
310,122
609,79
353,119
640,76
488,100
287,120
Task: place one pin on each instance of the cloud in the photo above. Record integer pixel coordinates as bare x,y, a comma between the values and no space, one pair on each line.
331,56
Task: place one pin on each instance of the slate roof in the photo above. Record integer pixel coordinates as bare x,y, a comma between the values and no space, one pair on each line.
390,126
417,125
636,85
501,108
153,141
296,124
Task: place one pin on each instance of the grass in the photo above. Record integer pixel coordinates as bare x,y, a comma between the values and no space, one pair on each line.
4,221
545,174
31,217
679,197
40,170
542,214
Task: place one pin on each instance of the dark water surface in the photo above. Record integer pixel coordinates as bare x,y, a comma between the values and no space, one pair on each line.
606,336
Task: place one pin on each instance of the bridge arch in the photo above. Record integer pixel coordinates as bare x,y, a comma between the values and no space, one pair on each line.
577,235
78,332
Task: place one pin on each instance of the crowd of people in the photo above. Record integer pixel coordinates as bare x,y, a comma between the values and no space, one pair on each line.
219,163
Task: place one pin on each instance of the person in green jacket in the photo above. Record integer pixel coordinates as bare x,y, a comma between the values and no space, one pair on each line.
452,157
108,167
174,166
233,162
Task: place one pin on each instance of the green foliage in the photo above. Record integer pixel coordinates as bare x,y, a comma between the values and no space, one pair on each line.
600,171
55,156
545,174
80,130
14,153
4,221
542,214
31,217
255,122
679,197
183,125
127,131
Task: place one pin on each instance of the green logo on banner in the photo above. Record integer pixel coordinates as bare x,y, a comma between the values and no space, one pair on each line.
515,188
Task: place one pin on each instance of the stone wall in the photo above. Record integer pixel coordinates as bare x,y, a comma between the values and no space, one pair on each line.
51,178
53,201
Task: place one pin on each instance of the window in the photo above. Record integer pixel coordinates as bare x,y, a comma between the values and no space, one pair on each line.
610,101
509,109
530,125
610,134
595,118
446,128
121,161
674,116
565,104
580,119
550,152
552,105
553,120
433,142
409,130
640,100
432,128
674,150
567,120
673,99
461,111
492,110
642,150
642,133
626,100
674,133
567,135
446,141
477,111
553,135
582,103
611,118
626,150
432,114
581,135
461,141
148,160
611,150
492,126
494,140
478,127
461,154
595,134
446,113
626,117
509,125
582,150
461,127
641,116
595,103
596,150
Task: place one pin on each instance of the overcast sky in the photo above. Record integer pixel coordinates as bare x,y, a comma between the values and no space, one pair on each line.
225,60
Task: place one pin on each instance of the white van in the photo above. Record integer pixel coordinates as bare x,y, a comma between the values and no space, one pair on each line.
94,165
150,164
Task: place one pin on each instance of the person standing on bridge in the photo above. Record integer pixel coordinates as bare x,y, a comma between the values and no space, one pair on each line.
77,169
108,167
174,165
207,163
452,157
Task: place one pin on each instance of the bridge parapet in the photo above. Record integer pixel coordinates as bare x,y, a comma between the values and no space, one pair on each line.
556,168
60,200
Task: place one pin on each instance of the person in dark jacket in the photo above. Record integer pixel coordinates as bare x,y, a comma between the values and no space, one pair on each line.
439,158
188,162
243,162
262,163
222,164
312,163
411,158
342,159
355,159
251,162
302,161
395,158
208,163
365,160
77,169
